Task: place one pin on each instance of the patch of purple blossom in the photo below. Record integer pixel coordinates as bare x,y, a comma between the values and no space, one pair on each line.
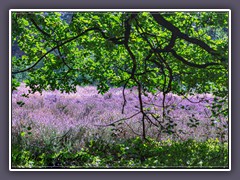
54,113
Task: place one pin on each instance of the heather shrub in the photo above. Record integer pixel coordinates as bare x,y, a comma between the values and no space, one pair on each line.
87,108
54,129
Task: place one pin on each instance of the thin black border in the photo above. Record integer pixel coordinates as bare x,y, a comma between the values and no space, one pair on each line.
125,168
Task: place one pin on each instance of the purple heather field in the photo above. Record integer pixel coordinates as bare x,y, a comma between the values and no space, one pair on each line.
55,112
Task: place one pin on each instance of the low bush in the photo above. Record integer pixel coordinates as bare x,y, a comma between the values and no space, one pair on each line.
77,131
131,153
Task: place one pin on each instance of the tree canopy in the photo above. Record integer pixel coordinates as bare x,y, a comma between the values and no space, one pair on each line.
154,51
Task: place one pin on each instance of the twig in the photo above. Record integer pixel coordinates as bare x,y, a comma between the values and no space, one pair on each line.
123,119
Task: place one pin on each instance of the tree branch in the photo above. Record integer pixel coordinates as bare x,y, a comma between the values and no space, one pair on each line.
123,119
190,63
126,39
63,60
124,97
39,29
163,22
59,45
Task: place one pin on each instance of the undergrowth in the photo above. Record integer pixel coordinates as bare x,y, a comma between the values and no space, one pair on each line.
130,153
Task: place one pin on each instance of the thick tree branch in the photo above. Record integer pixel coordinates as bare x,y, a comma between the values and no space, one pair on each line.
171,43
124,97
126,41
163,22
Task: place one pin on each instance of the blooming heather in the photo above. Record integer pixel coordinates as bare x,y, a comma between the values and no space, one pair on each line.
86,108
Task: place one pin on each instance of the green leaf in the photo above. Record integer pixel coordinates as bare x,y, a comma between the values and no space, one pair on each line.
23,134
25,22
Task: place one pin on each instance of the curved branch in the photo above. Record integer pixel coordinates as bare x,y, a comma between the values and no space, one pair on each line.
132,129
201,100
61,44
171,43
190,63
39,29
62,58
163,22
123,119
113,39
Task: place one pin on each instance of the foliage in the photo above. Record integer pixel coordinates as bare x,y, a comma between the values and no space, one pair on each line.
161,76
15,84
114,47
132,153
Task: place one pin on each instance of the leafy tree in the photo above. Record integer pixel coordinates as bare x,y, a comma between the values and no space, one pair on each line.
153,51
